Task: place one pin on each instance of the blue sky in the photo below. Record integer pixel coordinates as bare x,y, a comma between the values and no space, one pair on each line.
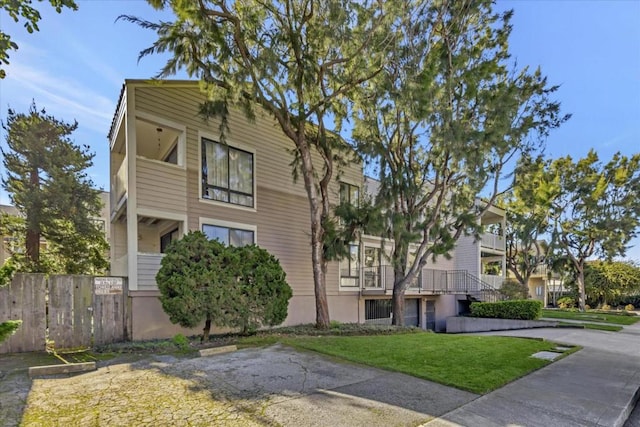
76,64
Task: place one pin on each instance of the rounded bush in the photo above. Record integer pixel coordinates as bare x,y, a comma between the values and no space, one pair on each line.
629,307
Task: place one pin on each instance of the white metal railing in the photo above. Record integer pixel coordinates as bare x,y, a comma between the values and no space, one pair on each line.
494,281
492,241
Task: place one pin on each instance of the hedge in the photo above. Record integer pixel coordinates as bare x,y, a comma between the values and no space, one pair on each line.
516,309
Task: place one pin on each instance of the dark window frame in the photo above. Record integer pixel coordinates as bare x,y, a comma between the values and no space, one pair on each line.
163,243
349,188
204,170
229,230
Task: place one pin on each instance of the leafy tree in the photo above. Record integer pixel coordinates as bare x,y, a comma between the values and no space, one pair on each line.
527,209
514,290
264,292
23,9
607,282
47,182
202,280
300,61
596,211
441,122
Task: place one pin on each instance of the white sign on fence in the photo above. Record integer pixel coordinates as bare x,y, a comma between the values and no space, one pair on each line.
107,285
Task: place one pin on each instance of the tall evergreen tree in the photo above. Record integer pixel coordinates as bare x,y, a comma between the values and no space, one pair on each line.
300,60
47,181
442,121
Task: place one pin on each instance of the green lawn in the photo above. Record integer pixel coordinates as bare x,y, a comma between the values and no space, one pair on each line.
475,363
589,316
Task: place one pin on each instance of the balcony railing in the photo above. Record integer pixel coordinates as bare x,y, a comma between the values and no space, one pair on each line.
493,281
430,282
492,241
119,185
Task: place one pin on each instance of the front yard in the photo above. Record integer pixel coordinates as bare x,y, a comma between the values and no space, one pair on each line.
474,363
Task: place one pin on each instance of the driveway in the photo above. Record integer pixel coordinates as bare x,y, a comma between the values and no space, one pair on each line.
268,386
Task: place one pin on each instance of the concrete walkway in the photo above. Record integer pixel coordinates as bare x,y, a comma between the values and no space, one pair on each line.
597,386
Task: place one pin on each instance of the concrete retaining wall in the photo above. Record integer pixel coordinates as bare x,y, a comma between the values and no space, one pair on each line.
457,325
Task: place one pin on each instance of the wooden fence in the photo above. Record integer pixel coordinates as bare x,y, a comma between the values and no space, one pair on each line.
72,311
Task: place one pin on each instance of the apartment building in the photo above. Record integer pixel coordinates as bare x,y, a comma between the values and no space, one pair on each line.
171,174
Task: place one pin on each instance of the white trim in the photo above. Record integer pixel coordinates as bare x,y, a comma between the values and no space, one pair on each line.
160,162
120,113
229,224
132,203
153,213
232,144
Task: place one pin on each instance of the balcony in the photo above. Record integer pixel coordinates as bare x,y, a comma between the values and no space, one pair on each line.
492,241
118,187
160,185
148,266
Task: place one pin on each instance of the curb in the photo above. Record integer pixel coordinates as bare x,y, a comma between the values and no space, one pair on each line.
61,369
217,350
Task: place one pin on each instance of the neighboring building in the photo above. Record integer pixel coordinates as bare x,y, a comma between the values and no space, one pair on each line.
170,174
7,243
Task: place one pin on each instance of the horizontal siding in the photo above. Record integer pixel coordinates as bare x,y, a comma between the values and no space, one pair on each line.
282,209
467,255
148,266
160,187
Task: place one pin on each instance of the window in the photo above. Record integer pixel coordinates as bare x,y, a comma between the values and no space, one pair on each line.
167,238
228,236
172,156
377,311
371,269
539,290
350,268
227,174
349,194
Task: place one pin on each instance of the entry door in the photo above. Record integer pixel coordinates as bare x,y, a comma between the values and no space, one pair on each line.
412,312
431,315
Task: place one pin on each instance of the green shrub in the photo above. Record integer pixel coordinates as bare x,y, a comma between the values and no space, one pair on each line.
629,307
566,302
181,341
8,328
516,309
202,280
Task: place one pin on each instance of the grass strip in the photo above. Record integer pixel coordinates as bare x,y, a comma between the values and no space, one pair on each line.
586,316
474,363
597,326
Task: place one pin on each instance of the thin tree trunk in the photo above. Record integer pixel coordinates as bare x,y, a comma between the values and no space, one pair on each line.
397,305
581,291
206,330
318,262
33,229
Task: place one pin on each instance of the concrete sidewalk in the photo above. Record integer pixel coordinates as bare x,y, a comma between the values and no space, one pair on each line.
597,386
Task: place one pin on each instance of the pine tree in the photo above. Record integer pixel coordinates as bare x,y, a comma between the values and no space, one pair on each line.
47,181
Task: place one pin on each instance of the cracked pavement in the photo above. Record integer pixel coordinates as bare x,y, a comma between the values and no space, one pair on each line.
260,386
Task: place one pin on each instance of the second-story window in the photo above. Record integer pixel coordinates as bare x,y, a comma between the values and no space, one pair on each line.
227,174
349,194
